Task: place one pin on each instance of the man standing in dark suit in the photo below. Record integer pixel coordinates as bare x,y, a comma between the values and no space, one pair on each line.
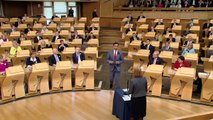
70,12
94,13
148,46
155,59
115,59
78,56
54,58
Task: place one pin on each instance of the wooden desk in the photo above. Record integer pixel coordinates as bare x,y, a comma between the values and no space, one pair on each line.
67,53
37,27
156,44
85,75
26,44
196,46
31,35
65,26
126,27
175,20
20,58
13,20
70,20
43,21
149,35
13,84
93,42
44,54
167,58
91,53
192,58
57,20
141,21
76,43
207,87
175,46
208,64
48,34
124,20
52,26
5,46
64,34
141,59
5,27
153,74
28,20
133,48
14,35
81,33
157,20
182,83
96,20
61,76
195,29
177,29
38,79
196,21
96,33
82,20
21,27
79,26
142,28
160,28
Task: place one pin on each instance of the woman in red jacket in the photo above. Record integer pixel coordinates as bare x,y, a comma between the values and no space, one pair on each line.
180,62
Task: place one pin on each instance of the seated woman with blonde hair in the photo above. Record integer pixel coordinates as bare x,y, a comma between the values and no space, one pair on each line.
15,48
138,89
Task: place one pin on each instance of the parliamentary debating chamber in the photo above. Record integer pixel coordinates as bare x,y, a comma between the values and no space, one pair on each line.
79,59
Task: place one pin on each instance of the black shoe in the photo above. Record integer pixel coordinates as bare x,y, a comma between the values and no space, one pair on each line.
110,85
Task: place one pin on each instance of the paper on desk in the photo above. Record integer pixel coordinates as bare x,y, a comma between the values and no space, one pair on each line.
126,98
125,90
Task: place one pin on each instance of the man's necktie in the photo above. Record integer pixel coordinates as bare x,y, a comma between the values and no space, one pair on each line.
115,55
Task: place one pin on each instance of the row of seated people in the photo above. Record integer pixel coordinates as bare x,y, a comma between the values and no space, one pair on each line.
180,62
56,36
169,3
191,22
28,27
207,30
77,57
188,47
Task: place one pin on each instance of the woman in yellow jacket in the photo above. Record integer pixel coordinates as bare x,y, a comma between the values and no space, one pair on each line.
15,48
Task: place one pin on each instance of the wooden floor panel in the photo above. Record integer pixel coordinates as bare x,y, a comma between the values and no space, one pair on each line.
90,105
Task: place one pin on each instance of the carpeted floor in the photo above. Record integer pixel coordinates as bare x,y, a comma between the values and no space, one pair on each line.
103,75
